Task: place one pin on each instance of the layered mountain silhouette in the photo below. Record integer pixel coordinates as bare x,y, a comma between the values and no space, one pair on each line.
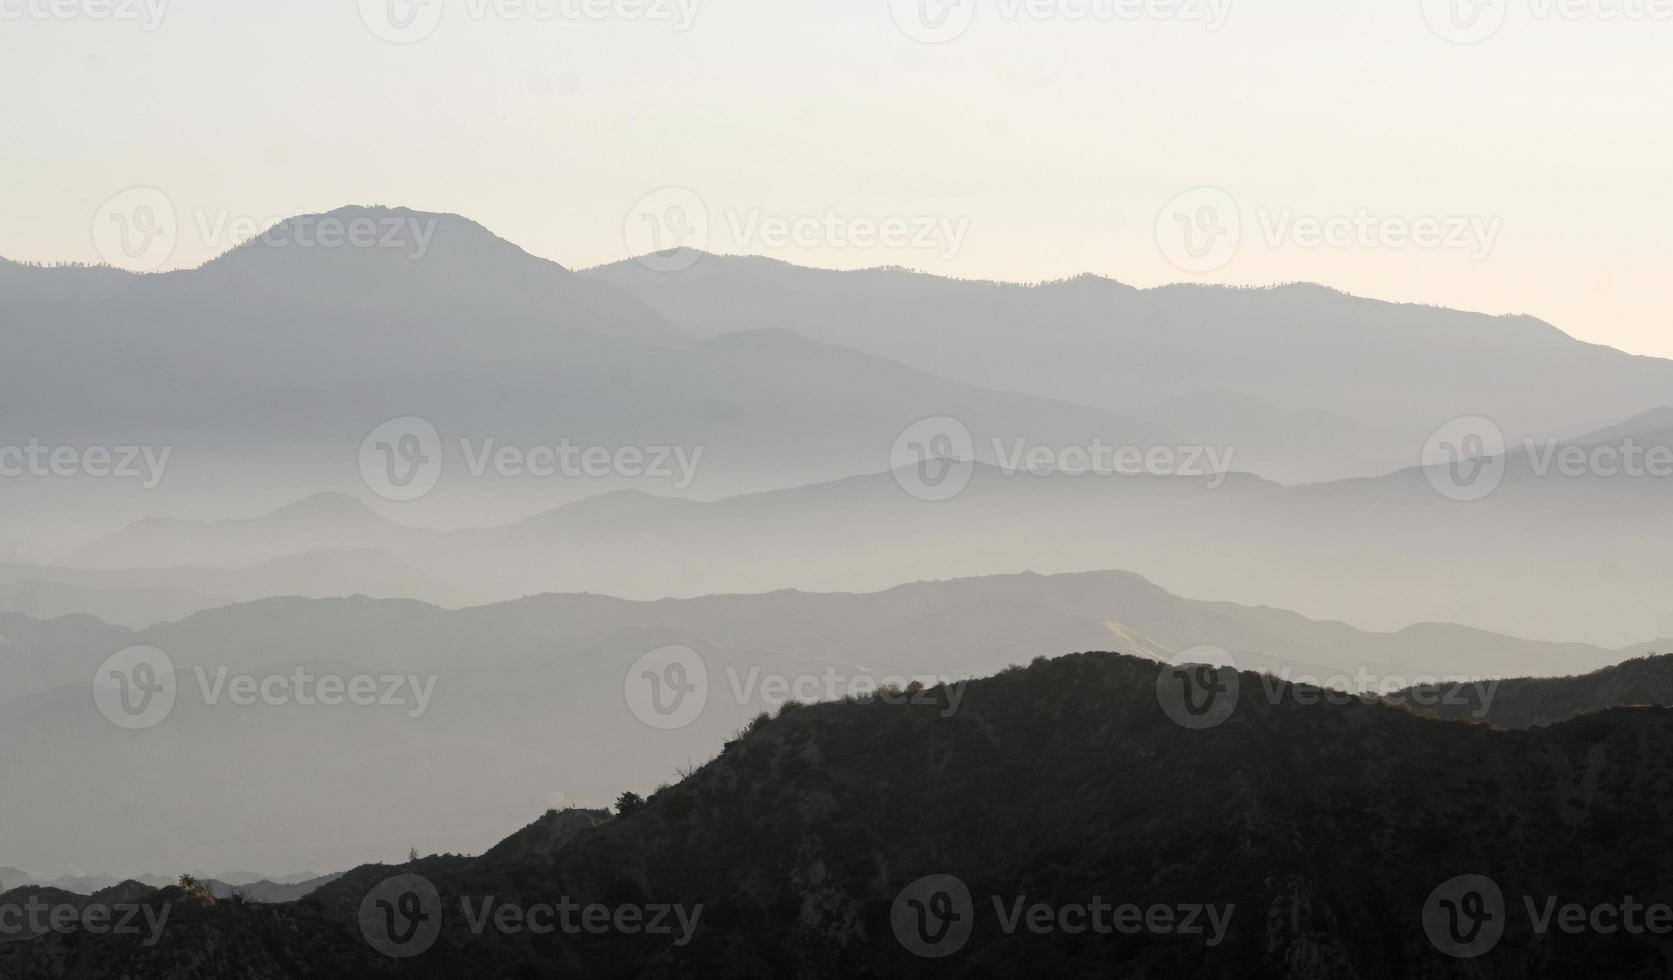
1439,708
527,702
1550,552
142,597
264,369
803,846
1312,383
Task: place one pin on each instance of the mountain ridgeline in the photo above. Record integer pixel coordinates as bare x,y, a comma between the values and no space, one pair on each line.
1060,822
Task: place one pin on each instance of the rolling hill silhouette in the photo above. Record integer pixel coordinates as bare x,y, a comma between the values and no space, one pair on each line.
1065,785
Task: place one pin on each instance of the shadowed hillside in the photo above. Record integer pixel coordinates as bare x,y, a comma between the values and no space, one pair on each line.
1065,783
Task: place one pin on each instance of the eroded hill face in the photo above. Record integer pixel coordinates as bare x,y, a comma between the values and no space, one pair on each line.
1295,838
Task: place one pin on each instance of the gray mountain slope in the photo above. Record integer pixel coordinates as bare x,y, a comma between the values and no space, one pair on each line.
1314,384
528,704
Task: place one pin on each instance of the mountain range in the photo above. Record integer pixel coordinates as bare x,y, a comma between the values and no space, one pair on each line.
1310,383
264,369
807,845
1547,554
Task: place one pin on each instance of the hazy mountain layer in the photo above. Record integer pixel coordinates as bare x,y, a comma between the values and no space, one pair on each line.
519,705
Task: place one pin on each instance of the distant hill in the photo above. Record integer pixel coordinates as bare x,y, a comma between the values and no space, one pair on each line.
142,597
1064,784
254,888
268,892
1523,702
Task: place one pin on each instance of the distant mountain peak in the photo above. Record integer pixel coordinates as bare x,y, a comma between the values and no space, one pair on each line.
379,229
326,504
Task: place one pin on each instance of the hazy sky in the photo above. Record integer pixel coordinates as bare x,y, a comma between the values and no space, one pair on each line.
1047,139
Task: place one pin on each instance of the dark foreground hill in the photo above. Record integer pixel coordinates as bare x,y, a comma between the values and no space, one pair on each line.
1059,822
